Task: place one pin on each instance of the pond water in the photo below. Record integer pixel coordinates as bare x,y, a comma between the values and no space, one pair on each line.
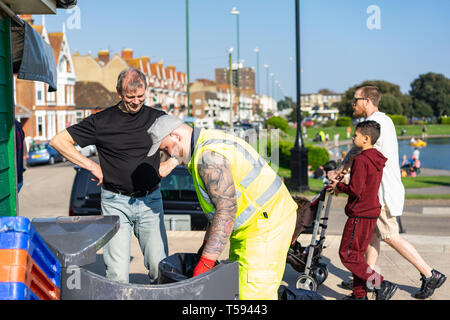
436,155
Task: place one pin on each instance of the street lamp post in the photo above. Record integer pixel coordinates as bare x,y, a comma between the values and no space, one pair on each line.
235,12
299,154
256,50
187,59
271,85
266,66
230,81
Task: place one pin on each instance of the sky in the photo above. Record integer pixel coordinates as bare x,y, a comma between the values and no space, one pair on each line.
343,42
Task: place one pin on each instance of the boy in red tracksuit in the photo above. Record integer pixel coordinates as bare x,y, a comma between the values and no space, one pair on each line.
363,209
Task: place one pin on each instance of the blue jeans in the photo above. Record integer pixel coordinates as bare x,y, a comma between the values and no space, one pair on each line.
145,216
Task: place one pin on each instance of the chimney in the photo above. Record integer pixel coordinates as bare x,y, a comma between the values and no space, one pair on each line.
28,18
103,56
127,54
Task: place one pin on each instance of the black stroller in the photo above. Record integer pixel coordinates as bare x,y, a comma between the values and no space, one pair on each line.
312,217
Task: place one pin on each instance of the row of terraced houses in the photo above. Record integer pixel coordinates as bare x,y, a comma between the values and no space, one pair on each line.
86,85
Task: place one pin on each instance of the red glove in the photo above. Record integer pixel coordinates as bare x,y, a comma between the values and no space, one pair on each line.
203,266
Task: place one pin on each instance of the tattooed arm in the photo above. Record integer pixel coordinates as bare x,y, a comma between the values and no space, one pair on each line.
215,173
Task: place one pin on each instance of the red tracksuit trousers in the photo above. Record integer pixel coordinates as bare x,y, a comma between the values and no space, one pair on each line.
355,240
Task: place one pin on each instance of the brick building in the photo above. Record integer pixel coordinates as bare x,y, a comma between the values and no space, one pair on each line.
42,114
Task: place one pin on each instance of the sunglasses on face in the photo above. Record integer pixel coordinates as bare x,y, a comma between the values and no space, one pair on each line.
355,100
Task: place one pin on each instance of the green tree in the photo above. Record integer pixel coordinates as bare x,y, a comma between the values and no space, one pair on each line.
287,103
278,123
434,90
422,109
390,104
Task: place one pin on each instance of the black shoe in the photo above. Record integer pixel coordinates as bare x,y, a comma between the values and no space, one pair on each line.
349,286
429,284
352,297
386,291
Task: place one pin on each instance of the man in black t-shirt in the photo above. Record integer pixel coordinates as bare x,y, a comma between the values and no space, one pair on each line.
130,179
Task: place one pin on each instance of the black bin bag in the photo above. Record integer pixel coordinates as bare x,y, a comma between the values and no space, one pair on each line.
177,267
287,293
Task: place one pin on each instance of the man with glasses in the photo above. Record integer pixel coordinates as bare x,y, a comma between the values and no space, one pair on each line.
391,193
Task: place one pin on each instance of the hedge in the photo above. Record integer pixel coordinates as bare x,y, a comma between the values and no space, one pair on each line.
398,119
278,123
444,120
317,156
344,122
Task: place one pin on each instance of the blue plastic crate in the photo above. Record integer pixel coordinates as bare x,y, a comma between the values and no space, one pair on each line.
16,291
19,233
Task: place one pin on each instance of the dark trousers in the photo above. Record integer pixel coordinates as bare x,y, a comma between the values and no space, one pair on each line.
355,240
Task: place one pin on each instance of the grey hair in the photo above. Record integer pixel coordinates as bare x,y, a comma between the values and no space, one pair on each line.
138,80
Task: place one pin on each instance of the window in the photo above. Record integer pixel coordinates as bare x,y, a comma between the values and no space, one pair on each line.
51,121
69,95
79,116
40,125
40,89
178,185
51,97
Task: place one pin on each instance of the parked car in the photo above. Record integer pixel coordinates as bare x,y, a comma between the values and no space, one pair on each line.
308,122
41,153
178,192
87,151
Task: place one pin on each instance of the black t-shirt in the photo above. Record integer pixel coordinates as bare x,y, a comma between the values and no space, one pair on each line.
122,143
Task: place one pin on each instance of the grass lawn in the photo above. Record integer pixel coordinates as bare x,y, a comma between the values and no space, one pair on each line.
425,182
409,182
411,130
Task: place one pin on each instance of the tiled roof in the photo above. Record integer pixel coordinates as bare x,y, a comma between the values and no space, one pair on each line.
56,39
94,95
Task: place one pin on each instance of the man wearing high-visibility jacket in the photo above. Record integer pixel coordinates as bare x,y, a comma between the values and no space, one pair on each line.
245,200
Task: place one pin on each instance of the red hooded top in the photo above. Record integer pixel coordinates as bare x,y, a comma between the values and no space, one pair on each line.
366,173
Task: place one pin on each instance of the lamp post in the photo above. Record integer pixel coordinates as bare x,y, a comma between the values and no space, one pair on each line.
271,85
187,59
235,12
266,66
299,154
230,81
256,50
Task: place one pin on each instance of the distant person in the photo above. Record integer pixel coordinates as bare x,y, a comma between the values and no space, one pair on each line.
391,193
349,132
129,179
310,172
417,165
413,140
403,132
363,209
319,173
20,137
317,138
416,154
405,162
424,131
336,139
322,136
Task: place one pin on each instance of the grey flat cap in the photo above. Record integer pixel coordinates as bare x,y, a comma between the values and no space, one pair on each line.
160,129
